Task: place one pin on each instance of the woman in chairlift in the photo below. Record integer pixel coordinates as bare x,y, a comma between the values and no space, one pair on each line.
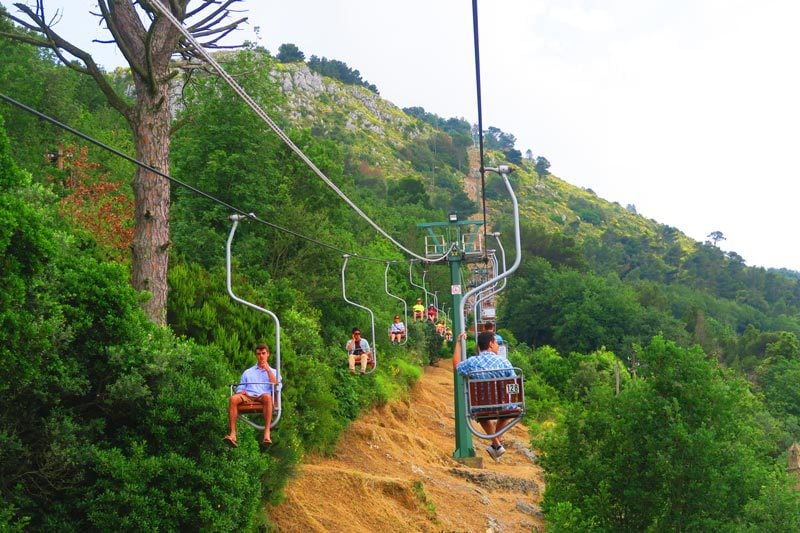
397,331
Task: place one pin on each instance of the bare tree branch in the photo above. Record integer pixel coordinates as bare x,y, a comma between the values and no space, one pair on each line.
222,10
56,43
125,43
203,32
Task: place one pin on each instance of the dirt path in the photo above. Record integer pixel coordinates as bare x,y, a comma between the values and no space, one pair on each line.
393,471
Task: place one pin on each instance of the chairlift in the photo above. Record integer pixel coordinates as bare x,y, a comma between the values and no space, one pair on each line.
494,395
482,312
405,305
488,314
411,280
372,362
255,407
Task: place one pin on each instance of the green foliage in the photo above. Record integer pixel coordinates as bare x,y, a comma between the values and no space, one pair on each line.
578,312
409,191
70,97
433,343
680,448
289,53
124,427
542,166
777,379
456,127
586,210
107,421
339,70
419,491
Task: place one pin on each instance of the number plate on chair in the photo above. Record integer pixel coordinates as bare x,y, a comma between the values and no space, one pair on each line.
512,388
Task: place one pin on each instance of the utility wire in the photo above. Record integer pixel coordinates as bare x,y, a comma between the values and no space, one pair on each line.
195,190
480,109
164,10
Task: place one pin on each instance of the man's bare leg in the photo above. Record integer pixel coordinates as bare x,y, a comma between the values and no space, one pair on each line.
233,413
266,399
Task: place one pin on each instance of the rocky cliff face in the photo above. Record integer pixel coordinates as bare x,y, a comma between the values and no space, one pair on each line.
308,93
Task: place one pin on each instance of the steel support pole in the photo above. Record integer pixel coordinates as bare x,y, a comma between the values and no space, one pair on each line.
464,451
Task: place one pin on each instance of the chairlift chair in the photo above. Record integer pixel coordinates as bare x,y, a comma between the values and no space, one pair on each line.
490,397
487,395
372,362
255,407
405,305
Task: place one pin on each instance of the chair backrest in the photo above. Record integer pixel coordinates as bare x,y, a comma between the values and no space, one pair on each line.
495,397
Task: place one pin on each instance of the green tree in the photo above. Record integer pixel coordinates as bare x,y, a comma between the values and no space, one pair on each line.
105,419
715,237
682,448
290,53
542,166
409,190
148,44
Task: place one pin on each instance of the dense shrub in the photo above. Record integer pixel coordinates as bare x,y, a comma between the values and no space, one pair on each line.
681,448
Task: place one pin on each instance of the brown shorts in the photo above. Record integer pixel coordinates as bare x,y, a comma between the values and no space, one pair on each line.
246,398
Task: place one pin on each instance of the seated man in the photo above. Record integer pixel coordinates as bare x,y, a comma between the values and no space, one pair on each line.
257,384
440,327
419,310
357,348
397,331
497,367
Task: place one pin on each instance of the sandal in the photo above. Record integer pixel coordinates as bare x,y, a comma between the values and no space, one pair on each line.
230,441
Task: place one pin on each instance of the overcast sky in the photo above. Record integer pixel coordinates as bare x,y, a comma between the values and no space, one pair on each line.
688,109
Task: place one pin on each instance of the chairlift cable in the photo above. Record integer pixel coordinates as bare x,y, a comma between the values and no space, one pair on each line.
480,109
176,181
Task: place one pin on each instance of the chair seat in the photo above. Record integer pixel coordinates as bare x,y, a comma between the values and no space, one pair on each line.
495,398
251,407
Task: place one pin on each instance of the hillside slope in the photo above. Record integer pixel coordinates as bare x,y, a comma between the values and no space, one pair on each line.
393,471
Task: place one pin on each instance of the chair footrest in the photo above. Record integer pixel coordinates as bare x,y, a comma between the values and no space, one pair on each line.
251,407
498,414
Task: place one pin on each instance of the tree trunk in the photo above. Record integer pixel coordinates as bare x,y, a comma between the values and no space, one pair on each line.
151,241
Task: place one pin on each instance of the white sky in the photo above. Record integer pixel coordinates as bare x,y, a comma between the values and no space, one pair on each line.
688,109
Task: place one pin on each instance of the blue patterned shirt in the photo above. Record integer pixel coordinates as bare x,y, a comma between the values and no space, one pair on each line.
490,365
255,381
494,365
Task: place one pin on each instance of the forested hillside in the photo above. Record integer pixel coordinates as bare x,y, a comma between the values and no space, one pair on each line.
110,422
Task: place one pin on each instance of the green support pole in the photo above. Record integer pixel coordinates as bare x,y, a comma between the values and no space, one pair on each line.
464,449
464,452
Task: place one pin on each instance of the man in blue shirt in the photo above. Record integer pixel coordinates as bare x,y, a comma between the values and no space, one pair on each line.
257,384
493,366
